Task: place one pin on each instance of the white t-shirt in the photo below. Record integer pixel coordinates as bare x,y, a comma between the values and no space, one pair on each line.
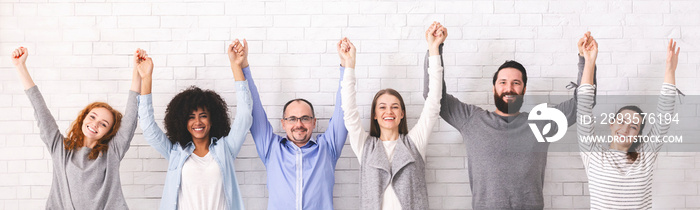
202,184
390,200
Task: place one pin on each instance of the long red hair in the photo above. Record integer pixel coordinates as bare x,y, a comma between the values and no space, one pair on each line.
75,137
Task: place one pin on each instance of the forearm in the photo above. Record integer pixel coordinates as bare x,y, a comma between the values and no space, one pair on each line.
431,111
426,87
48,129
356,134
151,132
588,71
146,84
237,72
24,77
243,119
261,129
122,139
582,66
135,81
584,108
670,76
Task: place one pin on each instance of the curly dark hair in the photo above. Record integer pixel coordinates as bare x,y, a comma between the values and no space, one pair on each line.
178,111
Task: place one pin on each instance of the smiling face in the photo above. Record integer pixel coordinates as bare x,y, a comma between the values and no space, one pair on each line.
388,112
298,132
625,128
97,123
508,90
198,125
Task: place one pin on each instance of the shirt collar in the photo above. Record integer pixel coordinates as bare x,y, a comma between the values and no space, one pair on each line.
311,140
190,145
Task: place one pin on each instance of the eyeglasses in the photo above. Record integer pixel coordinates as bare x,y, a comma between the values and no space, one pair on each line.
304,119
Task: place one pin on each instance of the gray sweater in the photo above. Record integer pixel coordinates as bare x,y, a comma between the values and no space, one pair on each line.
78,182
506,163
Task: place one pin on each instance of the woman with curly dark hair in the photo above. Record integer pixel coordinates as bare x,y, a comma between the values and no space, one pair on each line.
200,144
86,161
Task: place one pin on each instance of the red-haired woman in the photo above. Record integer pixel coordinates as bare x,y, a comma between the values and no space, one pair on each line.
86,161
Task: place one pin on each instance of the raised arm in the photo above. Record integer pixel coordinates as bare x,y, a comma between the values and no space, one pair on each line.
122,140
238,56
452,110
19,59
48,128
356,134
336,132
588,48
588,52
261,130
667,99
151,132
420,133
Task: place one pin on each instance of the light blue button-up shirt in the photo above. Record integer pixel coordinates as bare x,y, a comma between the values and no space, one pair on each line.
224,150
298,177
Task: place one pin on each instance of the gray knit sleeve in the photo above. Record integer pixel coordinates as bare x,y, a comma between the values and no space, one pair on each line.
452,110
122,140
48,128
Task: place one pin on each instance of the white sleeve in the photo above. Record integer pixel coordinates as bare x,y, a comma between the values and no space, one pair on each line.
666,107
356,134
585,131
431,110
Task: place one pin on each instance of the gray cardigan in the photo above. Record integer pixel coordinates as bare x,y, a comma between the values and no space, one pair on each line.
407,171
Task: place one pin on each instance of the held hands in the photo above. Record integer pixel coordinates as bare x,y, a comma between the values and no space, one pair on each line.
672,56
588,47
347,52
19,56
142,63
435,35
238,53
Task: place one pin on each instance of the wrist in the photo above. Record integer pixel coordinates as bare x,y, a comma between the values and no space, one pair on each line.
349,65
434,50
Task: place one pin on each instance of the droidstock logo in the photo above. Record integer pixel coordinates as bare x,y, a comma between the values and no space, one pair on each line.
543,113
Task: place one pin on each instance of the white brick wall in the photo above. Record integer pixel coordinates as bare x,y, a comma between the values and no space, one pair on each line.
75,45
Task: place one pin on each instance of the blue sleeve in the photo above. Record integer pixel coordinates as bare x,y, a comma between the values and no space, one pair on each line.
243,120
336,134
151,132
261,130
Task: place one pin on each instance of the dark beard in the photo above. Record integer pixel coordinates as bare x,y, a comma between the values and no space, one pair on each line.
504,107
